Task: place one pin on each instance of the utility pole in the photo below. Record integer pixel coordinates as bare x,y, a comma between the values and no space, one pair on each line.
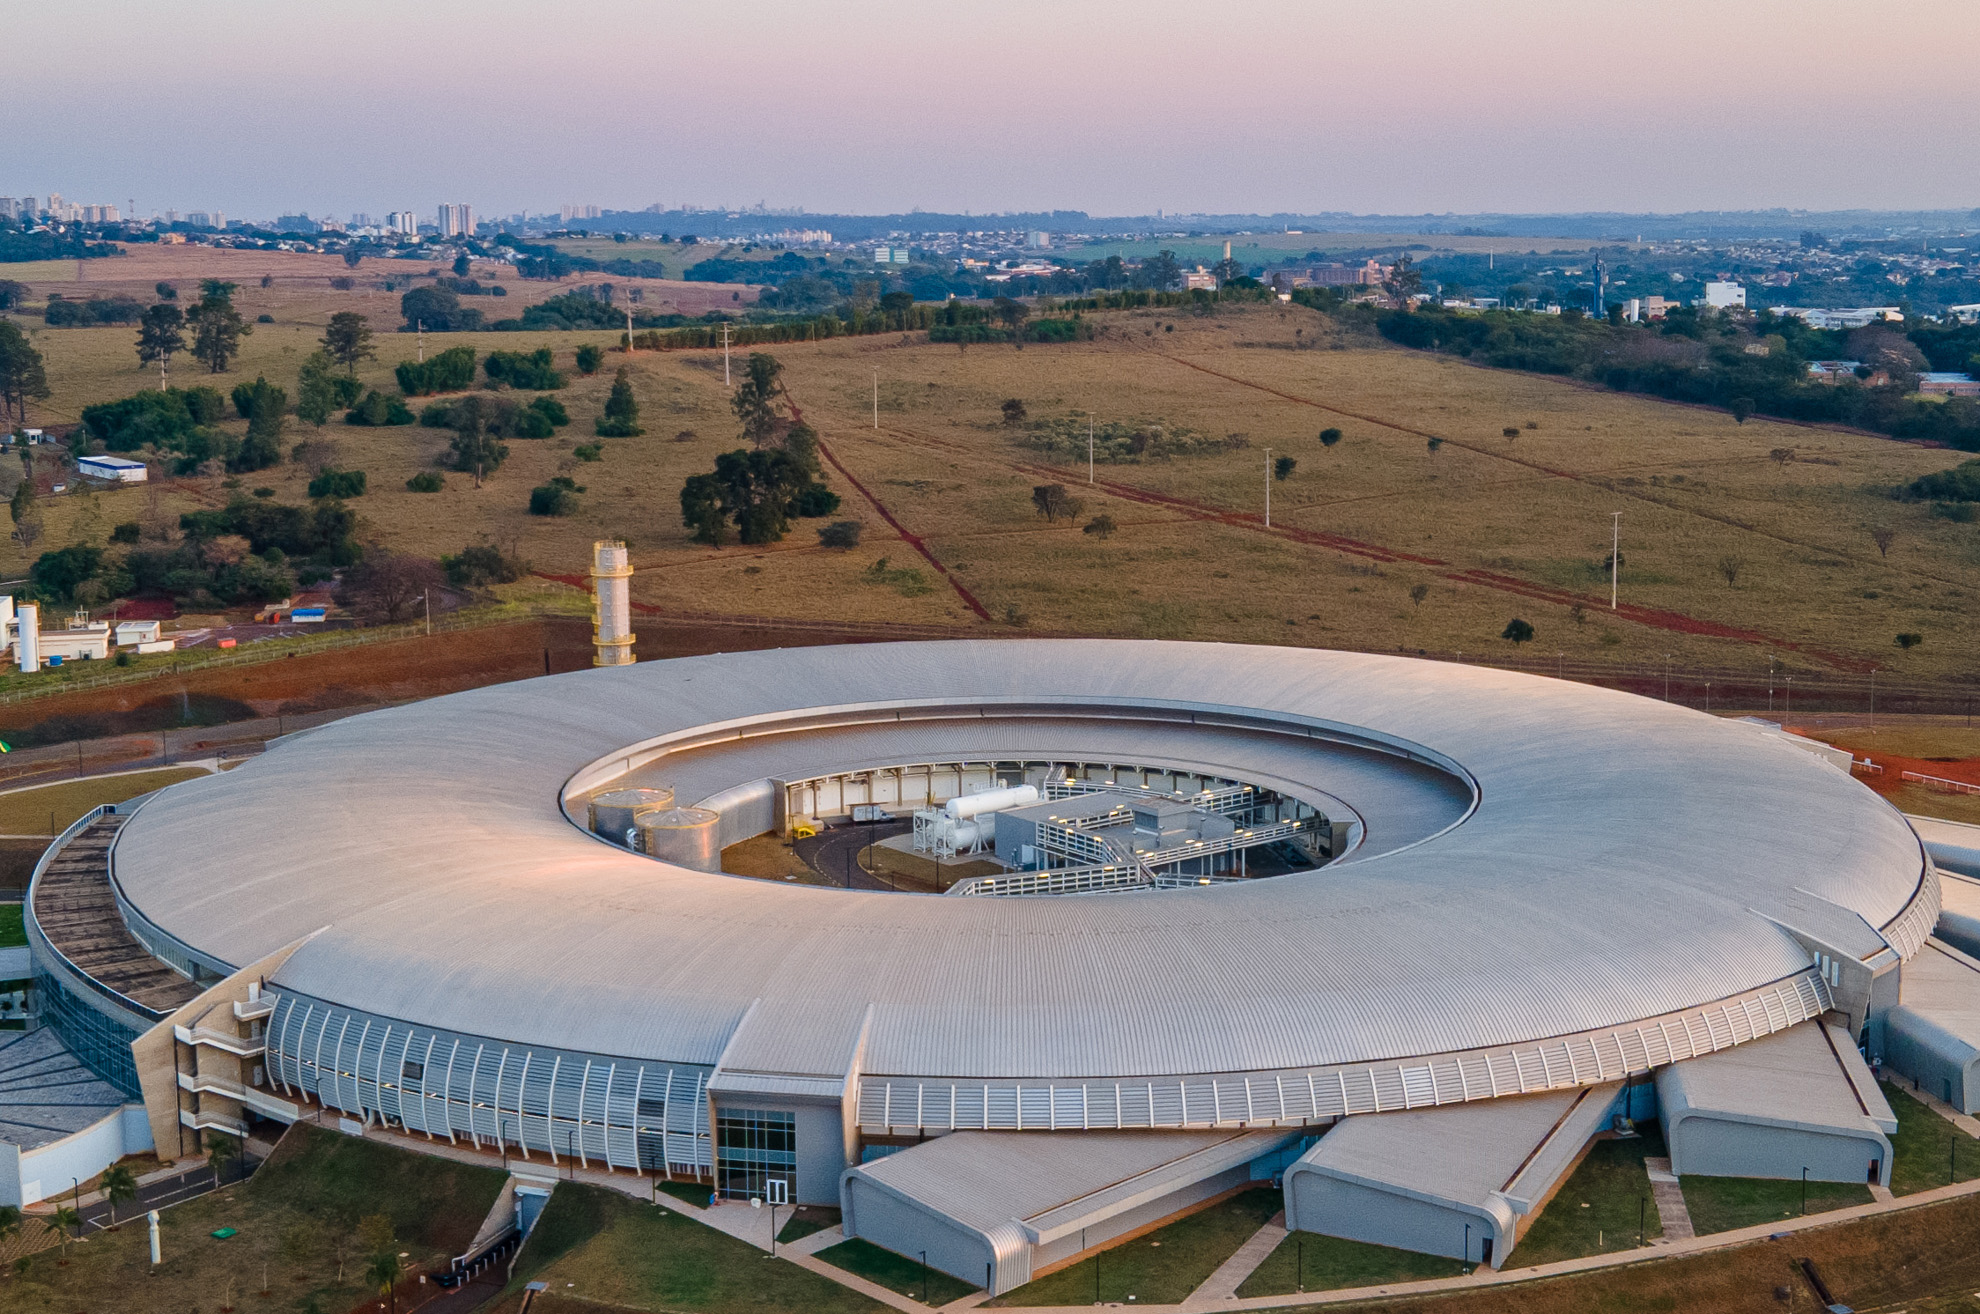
1615,556
419,332
725,354
1089,447
629,341
876,399
1268,488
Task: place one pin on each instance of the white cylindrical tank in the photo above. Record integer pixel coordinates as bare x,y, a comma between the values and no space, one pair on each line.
990,800
615,812
611,603
686,837
27,646
965,834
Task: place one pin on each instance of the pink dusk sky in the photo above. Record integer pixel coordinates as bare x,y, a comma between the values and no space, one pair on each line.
261,107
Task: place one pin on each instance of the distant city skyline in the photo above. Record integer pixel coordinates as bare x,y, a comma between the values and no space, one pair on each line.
878,106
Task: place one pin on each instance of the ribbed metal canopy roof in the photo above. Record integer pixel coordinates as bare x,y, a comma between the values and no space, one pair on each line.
1624,858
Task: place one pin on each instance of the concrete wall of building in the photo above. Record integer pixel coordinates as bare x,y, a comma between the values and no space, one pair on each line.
898,1225
1722,1147
1057,1252
30,1176
821,1152
1932,1058
1330,1206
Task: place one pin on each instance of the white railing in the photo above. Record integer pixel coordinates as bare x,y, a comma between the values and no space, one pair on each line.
1940,782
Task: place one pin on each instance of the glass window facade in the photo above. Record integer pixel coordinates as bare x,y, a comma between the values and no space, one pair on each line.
757,1152
95,1038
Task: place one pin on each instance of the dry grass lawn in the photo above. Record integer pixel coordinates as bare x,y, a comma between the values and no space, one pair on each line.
33,811
1373,517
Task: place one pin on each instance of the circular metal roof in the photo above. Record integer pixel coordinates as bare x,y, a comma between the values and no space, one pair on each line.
1558,859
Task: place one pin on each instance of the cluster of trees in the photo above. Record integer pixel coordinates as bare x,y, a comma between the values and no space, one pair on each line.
1703,357
18,247
61,312
531,370
437,310
451,370
23,375
758,490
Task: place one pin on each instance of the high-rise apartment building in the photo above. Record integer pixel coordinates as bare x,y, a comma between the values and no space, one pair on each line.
570,212
457,220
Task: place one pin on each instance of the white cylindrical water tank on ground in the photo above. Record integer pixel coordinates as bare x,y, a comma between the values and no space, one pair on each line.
990,800
611,603
686,837
615,812
27,645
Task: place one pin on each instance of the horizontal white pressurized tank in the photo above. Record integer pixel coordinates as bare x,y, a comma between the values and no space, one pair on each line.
614,812
686,837
990,800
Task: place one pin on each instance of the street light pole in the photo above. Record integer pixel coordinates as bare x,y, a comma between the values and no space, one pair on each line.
1615,556
1268,488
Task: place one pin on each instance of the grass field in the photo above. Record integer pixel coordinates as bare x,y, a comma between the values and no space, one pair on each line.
1490,527
13,928
1162,1267
1306,1262
898,1273
1720,1204
599,1247
1927,1151
33,811
295,1219
1599,1208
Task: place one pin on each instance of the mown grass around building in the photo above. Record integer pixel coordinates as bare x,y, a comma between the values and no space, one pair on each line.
1722,1204
48,809
602,1248
1161,1267
1927,1151
1306,1261
1604,1205
903,1274
294,1244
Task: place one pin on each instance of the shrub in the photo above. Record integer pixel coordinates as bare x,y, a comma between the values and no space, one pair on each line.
556,498
451,370
814,500
127,532
1101,526
264,319
1328,437
479,566
1959,484
589,358
840,534
342,283
426,481
589,452
621,417
551,409
437,415
379,410
531,370
338,484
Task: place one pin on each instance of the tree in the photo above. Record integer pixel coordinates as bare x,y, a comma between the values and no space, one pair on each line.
159,335
320,391
462,265
353,257
1883,536
1101,526
26,514
348,339
1730,566
1328,437
217,329
559,497
22,373
223,1151
1741,408
11,1221
119,1185
437,310
1054,502
481,565
478,423
1418,592
758,491
621,416
1013,412
1226,270
60,1221
1162,271
1403,281
1909,641
1517,630
383,1271
703,510
755,402
589,358
840,534
1781,457
1282,468
388,585
1013,314
217,289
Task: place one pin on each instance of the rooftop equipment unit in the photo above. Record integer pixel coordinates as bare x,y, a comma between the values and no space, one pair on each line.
614,813
686,837
965,806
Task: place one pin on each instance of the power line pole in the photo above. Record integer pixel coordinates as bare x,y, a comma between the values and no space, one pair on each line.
1089,447
876,399
725,355
1268,488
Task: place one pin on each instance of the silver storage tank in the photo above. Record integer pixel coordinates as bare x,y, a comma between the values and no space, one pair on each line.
686,837
614,813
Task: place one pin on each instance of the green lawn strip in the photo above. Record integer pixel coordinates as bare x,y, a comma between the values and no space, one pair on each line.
293,1227
1923,1153
1720,1204
1598,1209
593,1244
904,1274
1162,1267
694,1193
808,1219
1305,1261
12,930
33,811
